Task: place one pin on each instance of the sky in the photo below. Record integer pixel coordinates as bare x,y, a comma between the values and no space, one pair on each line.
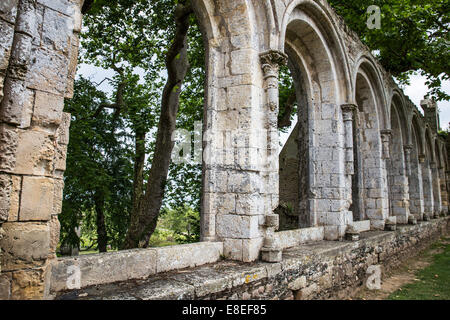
416,92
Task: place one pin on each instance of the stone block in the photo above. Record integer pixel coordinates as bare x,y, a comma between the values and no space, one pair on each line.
30,284
237,227
5,286
35,153
83,271
189,255
233,249
25,245
57,31
17,105
297,284
37,199
45,78
62,133
6,190
251,249
48,109
8,10
9,139
377,224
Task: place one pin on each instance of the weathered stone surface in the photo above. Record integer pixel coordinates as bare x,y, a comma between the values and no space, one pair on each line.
103,268
17,105
30,284
189,255
37,199
292,238
35,153
47,109
6,190
46,79
317,270
8,147
5,286
24,245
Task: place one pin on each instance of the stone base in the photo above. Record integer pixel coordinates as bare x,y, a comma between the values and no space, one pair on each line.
412,220
271,255
352,236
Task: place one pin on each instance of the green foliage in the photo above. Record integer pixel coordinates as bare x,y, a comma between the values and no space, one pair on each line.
286,89
181,225
97,164
414,37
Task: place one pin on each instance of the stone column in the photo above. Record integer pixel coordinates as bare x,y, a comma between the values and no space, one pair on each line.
407,149
436,190
427,188
385,143
271,62
444,191
34,138
347,114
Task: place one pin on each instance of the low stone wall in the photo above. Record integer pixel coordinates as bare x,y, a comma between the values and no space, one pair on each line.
83,271
316,270
292,238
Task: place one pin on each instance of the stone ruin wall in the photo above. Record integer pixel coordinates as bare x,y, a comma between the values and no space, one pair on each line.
245,42
38,58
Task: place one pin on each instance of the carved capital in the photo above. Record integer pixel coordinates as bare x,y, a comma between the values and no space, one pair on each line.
386,135
421,158
386,139
271,61
408,147
348,111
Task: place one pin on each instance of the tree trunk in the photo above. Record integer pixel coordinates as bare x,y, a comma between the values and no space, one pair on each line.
139,164
102,236
143,223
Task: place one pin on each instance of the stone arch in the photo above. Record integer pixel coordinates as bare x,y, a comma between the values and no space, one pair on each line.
369,67
415,178
427,162
396,165
321,20
371,151
321,87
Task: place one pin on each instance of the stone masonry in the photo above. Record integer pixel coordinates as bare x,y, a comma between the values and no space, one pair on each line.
361,158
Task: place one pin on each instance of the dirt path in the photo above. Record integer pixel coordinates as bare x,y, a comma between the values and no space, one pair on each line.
404,274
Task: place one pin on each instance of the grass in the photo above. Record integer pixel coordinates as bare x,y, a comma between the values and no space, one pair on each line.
433,282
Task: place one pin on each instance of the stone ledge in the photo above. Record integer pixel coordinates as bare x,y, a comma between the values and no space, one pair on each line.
323,269
100,269
292,238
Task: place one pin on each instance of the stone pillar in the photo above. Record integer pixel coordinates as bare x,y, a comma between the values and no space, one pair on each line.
347,114
238,189
427,188
407,149
436,185
271,62
444,191
431,114
33,138
385,143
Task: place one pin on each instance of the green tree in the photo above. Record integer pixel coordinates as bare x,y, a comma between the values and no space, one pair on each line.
414,37
98,175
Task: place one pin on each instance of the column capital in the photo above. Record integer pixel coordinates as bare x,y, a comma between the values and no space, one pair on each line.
349,107
348,110
273,57
408,147
421,158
